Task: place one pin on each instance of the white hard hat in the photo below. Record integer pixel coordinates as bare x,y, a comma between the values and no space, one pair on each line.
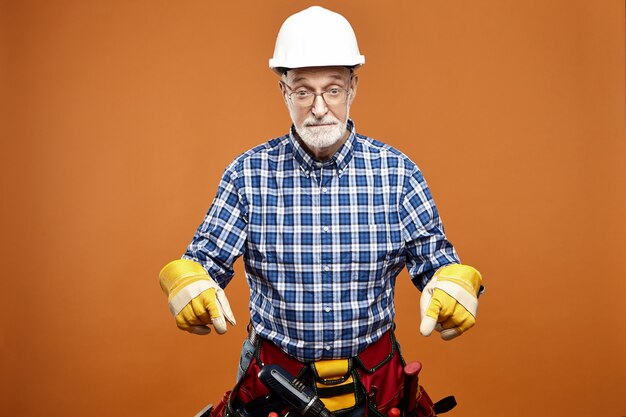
316,37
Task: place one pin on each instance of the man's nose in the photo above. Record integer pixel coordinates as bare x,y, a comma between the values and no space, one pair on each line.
319,108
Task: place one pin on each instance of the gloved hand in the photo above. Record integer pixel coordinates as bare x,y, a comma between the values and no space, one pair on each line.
450,300
194,298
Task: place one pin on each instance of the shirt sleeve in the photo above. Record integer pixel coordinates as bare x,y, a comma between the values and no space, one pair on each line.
427,248
221,236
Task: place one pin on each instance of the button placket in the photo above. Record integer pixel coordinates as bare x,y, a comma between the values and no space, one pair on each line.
325,204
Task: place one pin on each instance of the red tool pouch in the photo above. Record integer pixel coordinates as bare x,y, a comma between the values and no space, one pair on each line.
378,372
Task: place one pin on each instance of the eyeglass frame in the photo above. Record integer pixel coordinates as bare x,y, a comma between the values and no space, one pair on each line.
315,95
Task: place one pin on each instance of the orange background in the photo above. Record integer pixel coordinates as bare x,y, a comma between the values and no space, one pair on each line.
118,118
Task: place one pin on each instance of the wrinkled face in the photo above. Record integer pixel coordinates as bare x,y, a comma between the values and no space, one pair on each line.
322,123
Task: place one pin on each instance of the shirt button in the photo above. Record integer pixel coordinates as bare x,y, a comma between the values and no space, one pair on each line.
324,190
326,347
326,268
325,228
327,309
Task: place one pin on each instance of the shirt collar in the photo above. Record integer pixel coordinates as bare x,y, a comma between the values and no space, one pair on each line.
340,159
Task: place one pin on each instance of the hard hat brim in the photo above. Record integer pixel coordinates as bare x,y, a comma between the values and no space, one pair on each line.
279,65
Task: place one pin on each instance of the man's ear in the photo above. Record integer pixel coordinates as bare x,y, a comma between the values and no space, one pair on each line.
283,91
354,82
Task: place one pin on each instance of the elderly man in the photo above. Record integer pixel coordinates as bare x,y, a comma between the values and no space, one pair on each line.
325,219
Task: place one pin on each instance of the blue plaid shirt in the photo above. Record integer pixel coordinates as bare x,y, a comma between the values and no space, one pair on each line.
322,242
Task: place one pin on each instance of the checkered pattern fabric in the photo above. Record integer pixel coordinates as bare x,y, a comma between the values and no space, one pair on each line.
322,242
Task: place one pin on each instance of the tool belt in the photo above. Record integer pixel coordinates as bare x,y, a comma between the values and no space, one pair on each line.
372,381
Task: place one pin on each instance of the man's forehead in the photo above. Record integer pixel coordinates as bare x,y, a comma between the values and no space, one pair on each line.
313,73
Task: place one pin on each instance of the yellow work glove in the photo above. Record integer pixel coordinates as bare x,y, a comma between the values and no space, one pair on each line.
450,300
194,298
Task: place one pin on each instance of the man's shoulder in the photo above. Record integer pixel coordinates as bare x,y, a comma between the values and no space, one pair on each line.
266,150
372,148
271,147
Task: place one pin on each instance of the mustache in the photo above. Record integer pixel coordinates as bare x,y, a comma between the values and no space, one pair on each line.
318,122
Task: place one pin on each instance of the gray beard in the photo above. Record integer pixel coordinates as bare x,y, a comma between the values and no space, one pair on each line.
322,136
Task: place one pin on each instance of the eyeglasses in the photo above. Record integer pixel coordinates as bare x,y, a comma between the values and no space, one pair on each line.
306,98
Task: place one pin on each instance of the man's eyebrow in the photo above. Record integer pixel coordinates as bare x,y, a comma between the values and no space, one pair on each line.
298,79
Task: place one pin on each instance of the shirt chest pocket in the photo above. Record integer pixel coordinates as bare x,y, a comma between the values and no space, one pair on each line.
375,248
279,238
